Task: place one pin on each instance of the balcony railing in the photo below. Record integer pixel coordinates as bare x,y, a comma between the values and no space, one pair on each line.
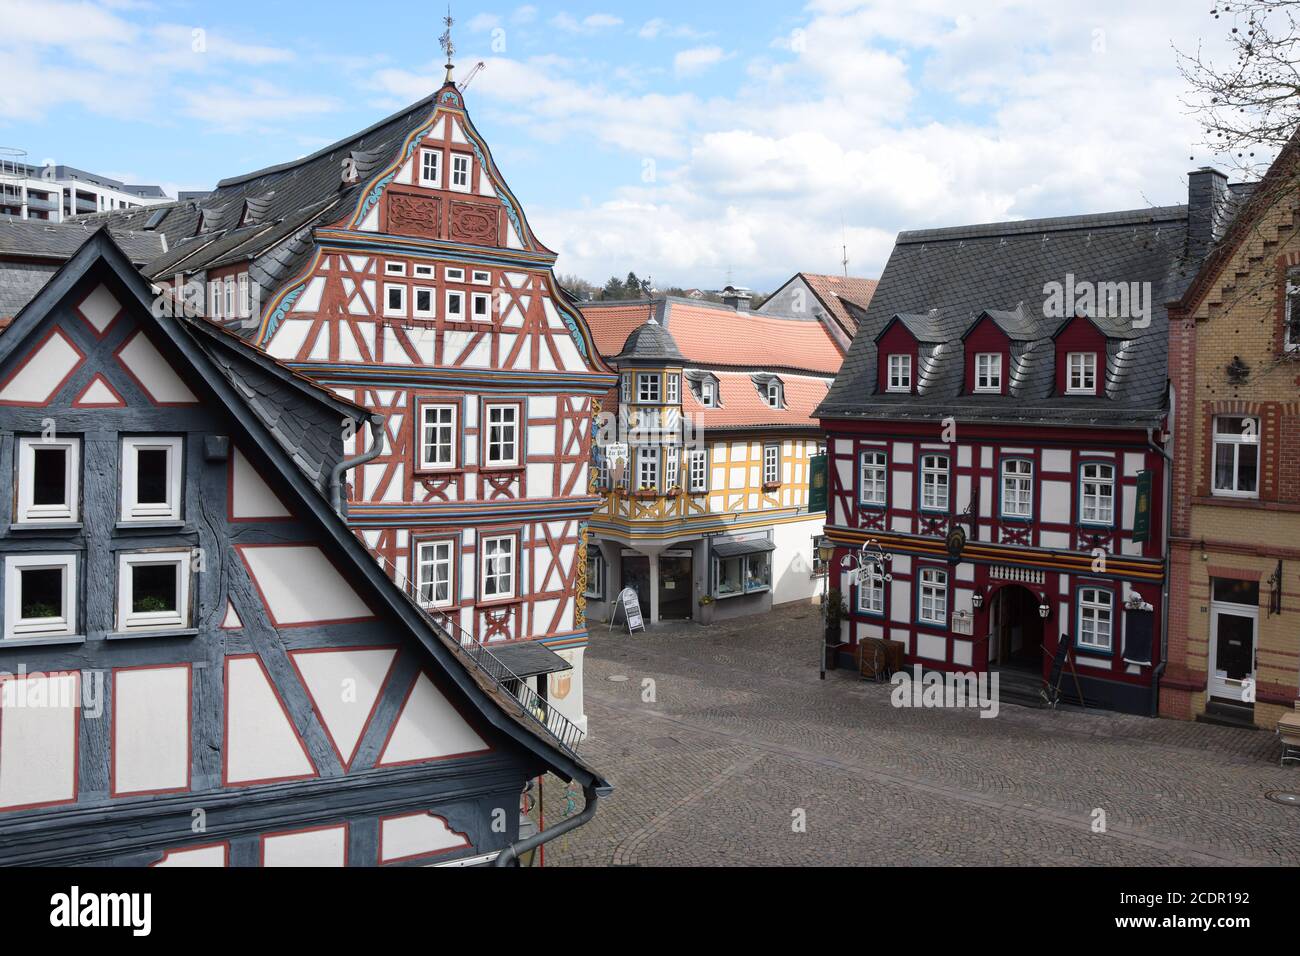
562,731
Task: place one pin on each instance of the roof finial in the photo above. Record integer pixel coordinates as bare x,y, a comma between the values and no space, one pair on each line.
446,43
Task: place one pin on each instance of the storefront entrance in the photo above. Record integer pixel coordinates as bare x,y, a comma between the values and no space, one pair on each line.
1015,630
675,586
1234,623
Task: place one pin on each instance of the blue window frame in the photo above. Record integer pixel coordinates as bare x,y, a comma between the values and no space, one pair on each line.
869,593
932,597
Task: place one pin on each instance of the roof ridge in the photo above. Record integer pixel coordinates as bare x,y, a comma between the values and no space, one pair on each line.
325,150
1051,224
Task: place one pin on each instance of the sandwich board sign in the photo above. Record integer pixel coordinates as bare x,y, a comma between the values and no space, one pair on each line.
630,605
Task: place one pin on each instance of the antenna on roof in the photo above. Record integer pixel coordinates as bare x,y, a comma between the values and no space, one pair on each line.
446,43
844,247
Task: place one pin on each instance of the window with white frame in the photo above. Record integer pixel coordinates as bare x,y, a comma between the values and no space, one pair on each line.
456,306
932,607
394,300
625,389
673,389
771,464
435,563
1082,373
424,303
153,590
460,166
871,591
151,479
49,481
1236,457
40,596
431,168
453,275
647,387
437,436
216,299
502,435
647,468
232,298
934,483
245,300
1017,488
595,589
988,372
672,466
424,272
481,307
481,277
698,473
900,373
708,393
498,568
394,268
1291,315
774,393
1096,619
1097,499
872,489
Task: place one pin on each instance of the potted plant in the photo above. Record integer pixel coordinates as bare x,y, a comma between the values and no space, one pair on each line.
707,605
835,611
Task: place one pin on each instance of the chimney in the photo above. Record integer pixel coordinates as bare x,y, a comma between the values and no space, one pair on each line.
738,299
1207,210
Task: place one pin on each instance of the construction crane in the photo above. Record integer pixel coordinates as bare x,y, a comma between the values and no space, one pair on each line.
479,67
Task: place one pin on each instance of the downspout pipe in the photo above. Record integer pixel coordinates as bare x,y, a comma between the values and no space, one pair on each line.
376,423
591,793
1164,592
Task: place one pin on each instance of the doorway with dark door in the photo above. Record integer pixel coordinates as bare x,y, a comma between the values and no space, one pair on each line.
675,586
1234,626
636,575
1015,630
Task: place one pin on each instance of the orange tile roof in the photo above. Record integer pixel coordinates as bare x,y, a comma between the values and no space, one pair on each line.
743,407
833,291
611,324
711,335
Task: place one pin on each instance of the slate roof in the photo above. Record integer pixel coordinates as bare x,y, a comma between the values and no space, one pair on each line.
650,342
717,336
267,216
32,249
939,281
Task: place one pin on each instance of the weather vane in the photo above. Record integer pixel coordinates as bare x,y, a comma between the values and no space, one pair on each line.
446,43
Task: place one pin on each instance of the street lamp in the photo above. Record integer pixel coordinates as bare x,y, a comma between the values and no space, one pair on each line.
867,558
1044,608
825,551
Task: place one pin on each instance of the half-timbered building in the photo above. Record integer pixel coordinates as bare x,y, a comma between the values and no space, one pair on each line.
200,664
707,513
1000,429
398,269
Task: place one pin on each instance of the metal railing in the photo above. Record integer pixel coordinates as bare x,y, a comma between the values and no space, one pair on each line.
564,732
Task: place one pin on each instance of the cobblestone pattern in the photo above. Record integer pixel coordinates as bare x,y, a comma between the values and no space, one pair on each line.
742,739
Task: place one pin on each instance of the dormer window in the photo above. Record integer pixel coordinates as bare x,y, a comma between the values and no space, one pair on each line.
772,392
988,372
900,373
708,394
1081,371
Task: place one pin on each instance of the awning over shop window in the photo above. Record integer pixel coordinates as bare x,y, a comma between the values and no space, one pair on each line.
734,549
530,659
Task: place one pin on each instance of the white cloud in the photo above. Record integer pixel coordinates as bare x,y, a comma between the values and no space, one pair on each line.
587,25
697,60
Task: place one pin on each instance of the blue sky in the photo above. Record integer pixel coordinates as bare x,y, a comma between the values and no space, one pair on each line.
686,141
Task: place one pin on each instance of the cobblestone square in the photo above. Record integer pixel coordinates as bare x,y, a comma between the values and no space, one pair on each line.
740,739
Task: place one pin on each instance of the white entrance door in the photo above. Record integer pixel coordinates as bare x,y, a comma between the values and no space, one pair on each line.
1233,630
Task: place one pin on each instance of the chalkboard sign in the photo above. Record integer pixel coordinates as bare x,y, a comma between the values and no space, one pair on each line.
630,605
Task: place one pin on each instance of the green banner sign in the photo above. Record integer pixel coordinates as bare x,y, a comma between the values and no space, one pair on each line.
1142,510
817,490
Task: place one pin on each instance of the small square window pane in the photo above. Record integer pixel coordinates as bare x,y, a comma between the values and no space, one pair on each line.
154,588
42,593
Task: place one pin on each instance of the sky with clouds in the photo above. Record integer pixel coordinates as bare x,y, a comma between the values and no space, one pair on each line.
687,141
